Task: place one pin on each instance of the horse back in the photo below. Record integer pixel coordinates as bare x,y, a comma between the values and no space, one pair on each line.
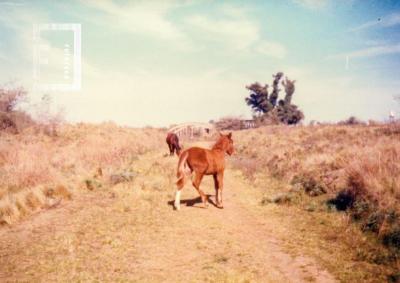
205,160
172,139
169,138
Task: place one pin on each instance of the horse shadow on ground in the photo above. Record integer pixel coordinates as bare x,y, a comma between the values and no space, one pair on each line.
193,201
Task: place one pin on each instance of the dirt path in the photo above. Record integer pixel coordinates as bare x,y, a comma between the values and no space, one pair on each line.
131,233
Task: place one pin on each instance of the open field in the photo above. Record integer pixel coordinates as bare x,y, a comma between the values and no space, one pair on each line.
38,170
94,204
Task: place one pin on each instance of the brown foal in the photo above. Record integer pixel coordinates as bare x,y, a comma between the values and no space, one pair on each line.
205,162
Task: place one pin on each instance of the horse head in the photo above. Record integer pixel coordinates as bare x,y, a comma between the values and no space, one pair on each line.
225,143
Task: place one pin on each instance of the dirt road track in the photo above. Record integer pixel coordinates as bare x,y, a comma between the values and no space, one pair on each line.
131,233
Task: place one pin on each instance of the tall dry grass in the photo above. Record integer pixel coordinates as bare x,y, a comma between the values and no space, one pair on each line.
37,170
335,156
363,161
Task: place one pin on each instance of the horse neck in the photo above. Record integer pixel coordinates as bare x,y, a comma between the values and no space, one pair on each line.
218,147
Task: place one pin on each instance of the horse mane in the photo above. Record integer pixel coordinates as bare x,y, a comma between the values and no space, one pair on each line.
219,144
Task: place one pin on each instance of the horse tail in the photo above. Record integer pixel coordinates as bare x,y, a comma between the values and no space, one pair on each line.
180,172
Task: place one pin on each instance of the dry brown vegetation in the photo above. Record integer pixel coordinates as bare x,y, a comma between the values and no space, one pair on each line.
38,170
363,159
353,168
277,225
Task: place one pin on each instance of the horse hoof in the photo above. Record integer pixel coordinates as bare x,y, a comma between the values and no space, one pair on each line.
220,206
177,208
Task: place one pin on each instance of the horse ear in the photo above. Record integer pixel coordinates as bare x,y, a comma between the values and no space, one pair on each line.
230,135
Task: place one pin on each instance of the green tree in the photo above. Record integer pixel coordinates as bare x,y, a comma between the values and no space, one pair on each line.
266,105
275,88
258,99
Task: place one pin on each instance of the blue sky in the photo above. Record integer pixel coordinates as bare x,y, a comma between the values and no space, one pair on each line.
163,62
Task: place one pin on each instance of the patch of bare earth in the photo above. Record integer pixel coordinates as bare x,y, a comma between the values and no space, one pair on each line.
131,233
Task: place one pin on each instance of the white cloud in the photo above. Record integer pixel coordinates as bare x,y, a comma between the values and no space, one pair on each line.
370,52
272,49
235,11
386,21
312,4
375,42
234,33
376,51
149,17
146,18
11,3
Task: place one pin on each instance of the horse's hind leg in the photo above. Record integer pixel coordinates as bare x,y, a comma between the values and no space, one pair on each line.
177,203
196,183
180,185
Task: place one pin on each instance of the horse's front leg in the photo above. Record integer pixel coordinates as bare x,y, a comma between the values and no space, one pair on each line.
216,188
220,181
